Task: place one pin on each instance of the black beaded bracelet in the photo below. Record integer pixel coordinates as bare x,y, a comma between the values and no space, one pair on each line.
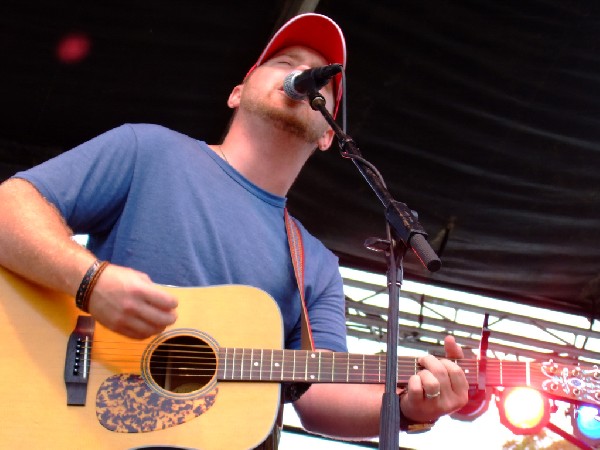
90,278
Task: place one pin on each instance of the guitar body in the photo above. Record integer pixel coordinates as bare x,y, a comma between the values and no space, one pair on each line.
35,325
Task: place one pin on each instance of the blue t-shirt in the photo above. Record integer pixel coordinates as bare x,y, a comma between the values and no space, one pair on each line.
165,204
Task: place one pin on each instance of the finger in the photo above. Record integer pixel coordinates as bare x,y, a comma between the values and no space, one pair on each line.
137,328
430,383
453,350
160,300
414,388
456,376
154,295
156,318
435,366
424,385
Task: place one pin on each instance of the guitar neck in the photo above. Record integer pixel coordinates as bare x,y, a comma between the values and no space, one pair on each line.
237,364
569,383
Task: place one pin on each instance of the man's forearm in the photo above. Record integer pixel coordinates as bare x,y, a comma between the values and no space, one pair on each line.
35,241
346,411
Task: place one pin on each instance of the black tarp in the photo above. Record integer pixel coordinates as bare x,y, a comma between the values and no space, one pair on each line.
483,116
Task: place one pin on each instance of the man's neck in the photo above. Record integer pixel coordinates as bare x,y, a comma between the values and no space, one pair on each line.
270,158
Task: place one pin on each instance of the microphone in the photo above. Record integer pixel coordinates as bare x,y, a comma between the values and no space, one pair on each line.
299,83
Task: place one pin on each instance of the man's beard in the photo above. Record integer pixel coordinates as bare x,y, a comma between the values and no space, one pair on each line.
283,120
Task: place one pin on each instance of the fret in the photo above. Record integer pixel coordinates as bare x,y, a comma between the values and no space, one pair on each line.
355,369
332,367
347,367
319,369
242,364
363,368
225,363
265,366
493,371
340,368
312,366
277,365
470,368
294,366
377,369
327,367
282,374
257,364
254,368
306,366
301,363
233,365
371,369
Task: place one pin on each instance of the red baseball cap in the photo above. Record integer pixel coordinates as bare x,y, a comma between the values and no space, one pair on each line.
316,32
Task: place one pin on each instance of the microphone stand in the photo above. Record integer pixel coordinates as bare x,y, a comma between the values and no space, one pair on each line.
403,232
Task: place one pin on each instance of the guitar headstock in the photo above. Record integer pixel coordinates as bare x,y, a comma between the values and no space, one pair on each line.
575,384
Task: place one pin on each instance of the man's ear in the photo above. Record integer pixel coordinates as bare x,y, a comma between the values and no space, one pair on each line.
234,97
324,142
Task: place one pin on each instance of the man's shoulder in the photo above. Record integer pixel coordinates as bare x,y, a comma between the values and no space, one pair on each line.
153,130
151,139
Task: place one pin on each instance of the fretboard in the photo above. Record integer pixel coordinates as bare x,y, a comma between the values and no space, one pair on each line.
239,364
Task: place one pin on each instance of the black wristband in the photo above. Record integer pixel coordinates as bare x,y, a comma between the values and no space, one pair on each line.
411,426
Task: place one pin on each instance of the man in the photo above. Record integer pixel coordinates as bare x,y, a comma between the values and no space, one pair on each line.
165,208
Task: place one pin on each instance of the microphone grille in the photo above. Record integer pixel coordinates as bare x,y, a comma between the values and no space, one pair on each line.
288,86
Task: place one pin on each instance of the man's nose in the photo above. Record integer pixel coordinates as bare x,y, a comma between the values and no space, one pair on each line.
302,67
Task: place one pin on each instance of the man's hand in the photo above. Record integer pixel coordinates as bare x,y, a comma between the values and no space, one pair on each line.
439,389
128,302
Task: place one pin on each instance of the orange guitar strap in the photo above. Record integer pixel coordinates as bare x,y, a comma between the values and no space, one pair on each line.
297,253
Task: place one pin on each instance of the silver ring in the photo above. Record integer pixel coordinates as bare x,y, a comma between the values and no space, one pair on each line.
430,396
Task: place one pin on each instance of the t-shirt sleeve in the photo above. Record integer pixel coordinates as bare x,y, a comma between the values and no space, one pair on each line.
89,183
328,315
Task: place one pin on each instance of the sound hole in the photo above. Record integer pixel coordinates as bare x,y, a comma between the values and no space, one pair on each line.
183,364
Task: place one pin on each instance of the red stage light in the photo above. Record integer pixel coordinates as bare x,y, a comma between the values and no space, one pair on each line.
523,410
73,48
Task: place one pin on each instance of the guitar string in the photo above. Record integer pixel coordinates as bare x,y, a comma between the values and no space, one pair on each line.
370,365
289,354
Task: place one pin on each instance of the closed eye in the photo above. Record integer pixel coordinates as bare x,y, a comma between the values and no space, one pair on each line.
284,61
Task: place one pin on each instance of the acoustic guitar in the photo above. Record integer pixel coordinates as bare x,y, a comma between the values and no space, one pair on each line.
210,381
